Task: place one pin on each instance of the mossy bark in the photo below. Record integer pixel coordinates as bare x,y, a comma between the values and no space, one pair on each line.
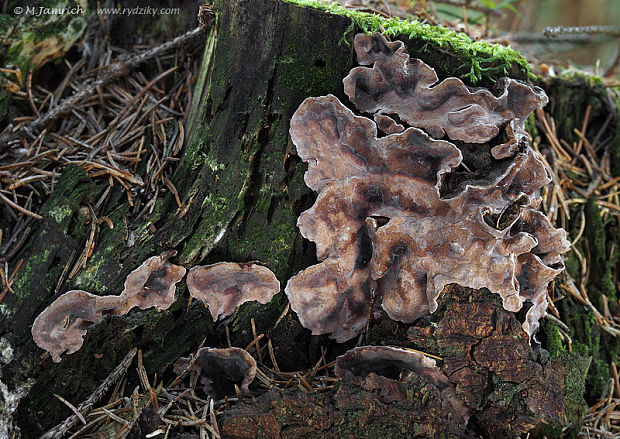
570,96
241,191
241,188
509,387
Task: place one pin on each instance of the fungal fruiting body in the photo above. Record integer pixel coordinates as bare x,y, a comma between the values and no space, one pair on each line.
391,362
409,88
61,326
225,286
220,369
383,231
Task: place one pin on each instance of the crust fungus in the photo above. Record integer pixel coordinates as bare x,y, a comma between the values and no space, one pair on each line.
383,232
152,284
391,362
61,326
398,84
227,285
220,369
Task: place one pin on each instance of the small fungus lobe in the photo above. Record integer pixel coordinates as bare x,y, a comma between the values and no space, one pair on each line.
392,362
225,286
219,369
62,325
152,284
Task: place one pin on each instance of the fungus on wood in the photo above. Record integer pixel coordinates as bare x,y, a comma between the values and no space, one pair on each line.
152,284
220,369
61,326
392,362
225,286
384,232
397,84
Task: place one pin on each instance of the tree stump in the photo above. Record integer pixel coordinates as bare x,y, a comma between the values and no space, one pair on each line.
242,189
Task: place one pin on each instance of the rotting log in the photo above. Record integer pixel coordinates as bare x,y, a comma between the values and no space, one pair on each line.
242,189
508,387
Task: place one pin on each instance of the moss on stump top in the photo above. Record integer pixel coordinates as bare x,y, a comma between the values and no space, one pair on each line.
451,53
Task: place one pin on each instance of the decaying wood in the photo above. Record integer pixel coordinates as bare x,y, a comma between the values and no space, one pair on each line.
61,429
508,386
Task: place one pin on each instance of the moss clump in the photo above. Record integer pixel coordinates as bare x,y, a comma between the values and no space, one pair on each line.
59,213
549,335
479,59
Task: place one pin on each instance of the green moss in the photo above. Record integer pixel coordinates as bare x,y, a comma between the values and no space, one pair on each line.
551,340
601,278
270,243
480,59
587,343
570,95
29,271
218,208
575,371
59,213
530,126
307,78
38,36
37,275
89,280
574,367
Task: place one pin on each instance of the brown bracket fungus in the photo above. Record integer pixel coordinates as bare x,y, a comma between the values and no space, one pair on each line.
152,284
383,232
220,369
227,285
398,84
391,362
62,325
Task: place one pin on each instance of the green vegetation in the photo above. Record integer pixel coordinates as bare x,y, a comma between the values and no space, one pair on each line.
36,36
575,366
589,340
615,143
479,59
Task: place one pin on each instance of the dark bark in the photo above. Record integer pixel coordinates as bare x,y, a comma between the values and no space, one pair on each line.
509,387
